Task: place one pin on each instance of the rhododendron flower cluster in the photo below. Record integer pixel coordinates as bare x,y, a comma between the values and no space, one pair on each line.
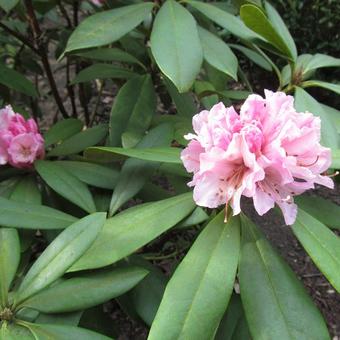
20,141
268,152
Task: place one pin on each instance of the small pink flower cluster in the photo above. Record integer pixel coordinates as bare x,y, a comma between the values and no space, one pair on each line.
20,141
269,152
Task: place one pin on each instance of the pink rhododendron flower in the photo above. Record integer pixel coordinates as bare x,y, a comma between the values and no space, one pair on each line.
269,152
20,141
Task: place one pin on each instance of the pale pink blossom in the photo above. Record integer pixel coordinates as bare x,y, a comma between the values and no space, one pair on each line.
5,116
269,152
20,141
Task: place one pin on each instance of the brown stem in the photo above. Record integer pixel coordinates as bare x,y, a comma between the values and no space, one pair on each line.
44,56
65,14
82,96
70,89
83,102
20,37
75,12
100,91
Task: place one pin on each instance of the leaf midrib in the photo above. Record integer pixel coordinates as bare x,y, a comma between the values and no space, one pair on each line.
324,247
101,27
89,207
2,209
190,310
56,257
270,281
131,226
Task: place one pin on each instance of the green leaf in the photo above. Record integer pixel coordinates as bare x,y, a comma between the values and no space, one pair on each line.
256,20
198,216
7,5
32,216
108,26
321,244
319,61
175,45
300,63
275,302
336,159
80,141
234,94
305,102
86,291
102,71
203,281
132,116
233,322
323,210
62,130
8,186
242,330
152,192
147,295
110,54
334,115
71,319
218,54
62,332
182,125
136,172
99,321
206,93
140,117
9,261
253,56
167,155
27,191
184,102
16,81
323,84
90,173
132,229
60,255
12,331
281,28
65,184
224,19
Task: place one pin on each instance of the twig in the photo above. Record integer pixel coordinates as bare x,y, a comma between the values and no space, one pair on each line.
65,14
70,89
75,12
82,96
20,37
311,275
43,54
100,91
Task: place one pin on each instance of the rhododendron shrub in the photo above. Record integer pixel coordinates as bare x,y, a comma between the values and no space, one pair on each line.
139,143
270,153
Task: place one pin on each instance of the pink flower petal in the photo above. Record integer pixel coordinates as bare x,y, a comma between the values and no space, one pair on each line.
270,153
